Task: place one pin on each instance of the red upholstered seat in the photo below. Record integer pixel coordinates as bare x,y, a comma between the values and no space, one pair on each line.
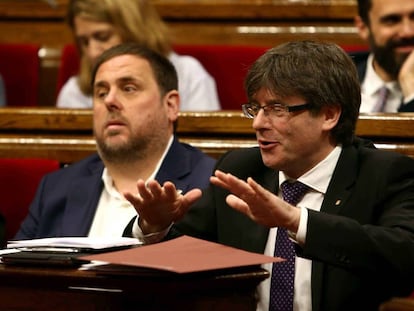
18,183
228,64
69,65
20,68
353,48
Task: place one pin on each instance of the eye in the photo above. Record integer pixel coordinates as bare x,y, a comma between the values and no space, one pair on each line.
101,93
276,108
129,88
390,19
102,36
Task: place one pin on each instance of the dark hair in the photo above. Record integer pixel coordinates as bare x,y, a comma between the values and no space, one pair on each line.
164,71
364,6
322,73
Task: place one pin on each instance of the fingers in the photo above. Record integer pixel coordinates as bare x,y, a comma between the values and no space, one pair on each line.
230,182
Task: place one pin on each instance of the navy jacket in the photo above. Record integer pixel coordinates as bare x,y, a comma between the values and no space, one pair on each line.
66,200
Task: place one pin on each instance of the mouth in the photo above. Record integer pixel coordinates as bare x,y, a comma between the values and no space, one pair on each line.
404,45
406,49
114,125
267,144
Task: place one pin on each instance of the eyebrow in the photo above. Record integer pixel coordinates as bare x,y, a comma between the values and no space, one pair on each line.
122,80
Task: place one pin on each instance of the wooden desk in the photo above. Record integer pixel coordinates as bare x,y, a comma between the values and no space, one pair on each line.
25,288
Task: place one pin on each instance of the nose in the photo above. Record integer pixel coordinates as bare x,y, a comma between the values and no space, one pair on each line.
111,100
94,50
407,27
259,120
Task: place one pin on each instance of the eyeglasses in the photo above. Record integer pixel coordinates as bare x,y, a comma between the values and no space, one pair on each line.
278,110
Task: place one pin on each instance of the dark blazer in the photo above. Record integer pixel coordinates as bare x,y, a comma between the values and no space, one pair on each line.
362,248
66,200
360,60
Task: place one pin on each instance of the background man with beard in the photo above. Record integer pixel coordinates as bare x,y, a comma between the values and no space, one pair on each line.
388,27
135,108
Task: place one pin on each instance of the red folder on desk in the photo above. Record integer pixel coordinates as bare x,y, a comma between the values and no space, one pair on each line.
183,255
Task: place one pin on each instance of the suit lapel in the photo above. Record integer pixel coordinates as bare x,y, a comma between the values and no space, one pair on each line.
175,167
83,198
342,182
337,194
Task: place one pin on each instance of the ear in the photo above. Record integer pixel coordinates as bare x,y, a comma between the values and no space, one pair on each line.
363,29
331,114
172,104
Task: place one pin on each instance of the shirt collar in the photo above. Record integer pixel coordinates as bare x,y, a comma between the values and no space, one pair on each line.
372,81
319,177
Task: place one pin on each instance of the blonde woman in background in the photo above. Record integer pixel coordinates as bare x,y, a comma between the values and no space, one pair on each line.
98,25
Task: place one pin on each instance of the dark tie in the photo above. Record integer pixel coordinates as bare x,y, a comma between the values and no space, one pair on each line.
283,273
382,99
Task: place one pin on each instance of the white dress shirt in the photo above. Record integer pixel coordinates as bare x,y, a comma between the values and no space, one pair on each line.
114,212
370,90
318,179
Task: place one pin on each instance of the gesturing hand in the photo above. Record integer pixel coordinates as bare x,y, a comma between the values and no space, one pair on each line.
158,206
259,204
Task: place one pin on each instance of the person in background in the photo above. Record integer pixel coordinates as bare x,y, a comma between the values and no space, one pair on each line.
135,109
2,93
347,213
100,24
387,72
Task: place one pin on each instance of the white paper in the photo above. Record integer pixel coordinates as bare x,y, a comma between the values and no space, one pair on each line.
75,242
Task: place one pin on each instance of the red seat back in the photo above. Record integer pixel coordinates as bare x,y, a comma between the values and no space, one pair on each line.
228,65
20,69
69,65
18,183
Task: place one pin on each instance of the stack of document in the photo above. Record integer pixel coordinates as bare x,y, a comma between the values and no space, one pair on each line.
62,251
80,243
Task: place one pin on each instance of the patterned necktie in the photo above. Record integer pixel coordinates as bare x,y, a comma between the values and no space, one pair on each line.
283,273
382,99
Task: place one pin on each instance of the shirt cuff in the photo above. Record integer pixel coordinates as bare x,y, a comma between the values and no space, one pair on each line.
150,238
300,236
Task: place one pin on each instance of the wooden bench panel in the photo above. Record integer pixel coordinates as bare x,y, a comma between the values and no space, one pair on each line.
66,134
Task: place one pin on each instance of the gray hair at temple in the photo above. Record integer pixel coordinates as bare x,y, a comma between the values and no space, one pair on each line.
321,73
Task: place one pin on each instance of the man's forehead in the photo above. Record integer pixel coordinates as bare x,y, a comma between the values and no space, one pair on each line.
391,7
128,65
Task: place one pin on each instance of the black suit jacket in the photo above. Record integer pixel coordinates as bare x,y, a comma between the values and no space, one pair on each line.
362,249
360,60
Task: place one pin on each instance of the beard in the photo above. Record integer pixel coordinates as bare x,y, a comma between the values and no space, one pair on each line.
121,153
386,57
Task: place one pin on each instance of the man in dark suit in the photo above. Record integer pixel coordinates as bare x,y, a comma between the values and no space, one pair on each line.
352,228
388,27
136,106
